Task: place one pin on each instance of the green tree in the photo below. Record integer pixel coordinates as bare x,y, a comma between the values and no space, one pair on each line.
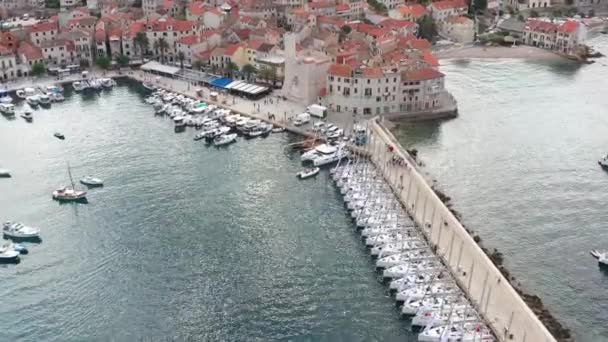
142,42
51,3
346,29
231,68
161,45
38,69
591,13
103,62
521,18
123,60
249,71
180,58
427,28
377,7
198,65
480,5
533,14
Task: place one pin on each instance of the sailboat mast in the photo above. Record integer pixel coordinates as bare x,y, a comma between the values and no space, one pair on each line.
70,174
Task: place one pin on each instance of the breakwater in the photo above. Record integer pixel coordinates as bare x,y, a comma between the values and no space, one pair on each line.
490,292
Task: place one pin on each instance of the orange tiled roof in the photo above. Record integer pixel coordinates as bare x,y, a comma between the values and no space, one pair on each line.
343,70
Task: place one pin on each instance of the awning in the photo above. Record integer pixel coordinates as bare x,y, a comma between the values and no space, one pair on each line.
221,82
161,68
234,84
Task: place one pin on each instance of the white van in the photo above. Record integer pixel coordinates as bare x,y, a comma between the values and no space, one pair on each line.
301,119
317,110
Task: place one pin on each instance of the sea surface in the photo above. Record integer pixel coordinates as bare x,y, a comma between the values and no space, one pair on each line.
184,241
520,163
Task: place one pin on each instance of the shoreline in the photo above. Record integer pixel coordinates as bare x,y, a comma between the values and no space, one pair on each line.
498,52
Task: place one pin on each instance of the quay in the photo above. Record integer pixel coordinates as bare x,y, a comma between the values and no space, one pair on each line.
501,307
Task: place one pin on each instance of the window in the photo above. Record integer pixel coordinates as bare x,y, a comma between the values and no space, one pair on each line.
368,91
368,81
378,99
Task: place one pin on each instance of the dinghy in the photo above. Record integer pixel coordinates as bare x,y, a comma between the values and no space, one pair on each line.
308,173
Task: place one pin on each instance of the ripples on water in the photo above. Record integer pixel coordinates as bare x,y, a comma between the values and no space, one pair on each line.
184,241
520,163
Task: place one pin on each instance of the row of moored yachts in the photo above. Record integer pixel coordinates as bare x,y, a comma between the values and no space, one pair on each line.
219,126
422,284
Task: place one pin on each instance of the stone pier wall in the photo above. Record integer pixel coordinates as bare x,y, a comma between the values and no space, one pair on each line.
495,299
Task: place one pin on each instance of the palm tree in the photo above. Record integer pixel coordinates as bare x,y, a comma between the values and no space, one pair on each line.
141,40
180,58
249,70
197,65
161,45
231,68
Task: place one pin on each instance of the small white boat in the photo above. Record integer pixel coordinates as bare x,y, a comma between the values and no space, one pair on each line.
27,115
602,257
57,97
224,139
7,109
20,94
278,130
32,100
78,86
107,83
69,194
604,162
54,89
5,173
44,100
8,253
19,230
308,173
149,86
179,121
91,181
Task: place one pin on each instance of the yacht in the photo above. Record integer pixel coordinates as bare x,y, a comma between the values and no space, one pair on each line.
95,84
225,139
91,181
602,257
5,173
54,89
25,92
69,194
19,230
44,100
467,332
5,97
317,152
8,253
32,100
7,109
329,158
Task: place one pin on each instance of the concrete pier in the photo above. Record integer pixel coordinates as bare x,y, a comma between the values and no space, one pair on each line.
495,299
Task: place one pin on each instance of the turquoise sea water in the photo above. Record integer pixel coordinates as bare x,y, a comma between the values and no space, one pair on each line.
520,163
184,241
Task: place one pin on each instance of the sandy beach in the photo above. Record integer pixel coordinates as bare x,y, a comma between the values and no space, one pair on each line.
520,51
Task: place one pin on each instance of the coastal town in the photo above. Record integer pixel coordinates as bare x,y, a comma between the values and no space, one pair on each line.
355,57
237,69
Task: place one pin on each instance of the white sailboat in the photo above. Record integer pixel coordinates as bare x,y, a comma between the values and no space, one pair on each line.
69,194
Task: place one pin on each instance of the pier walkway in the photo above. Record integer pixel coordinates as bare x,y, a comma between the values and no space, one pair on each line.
495,299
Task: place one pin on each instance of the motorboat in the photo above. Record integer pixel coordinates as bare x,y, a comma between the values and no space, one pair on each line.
59,136
5,97
27,115
8,253
95,84
21,248
307,173
19,230
329,158
429,318
224,139
25,92
5,173
20,93
278,129
79,85
69,194
179,122
602,257
318,151
7,109
149,86
56,97
32,100
91,181
604,162
107,82
54,89
44,100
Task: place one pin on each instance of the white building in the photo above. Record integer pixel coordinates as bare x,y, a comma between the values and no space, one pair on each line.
374,90
459,29
442,10
305,72
8,64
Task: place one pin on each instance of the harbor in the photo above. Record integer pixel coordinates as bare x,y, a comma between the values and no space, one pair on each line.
466,315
